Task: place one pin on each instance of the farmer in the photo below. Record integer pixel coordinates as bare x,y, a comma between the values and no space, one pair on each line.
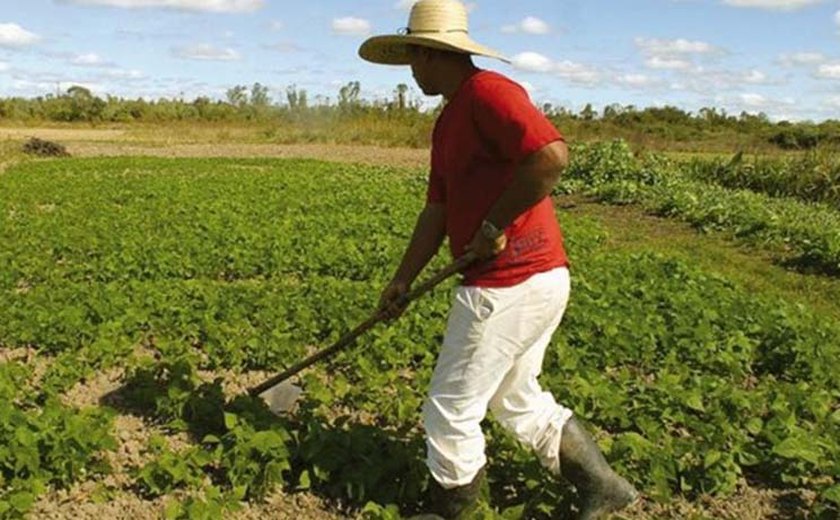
495,159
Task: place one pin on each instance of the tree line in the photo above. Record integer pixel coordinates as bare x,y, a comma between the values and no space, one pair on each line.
243,103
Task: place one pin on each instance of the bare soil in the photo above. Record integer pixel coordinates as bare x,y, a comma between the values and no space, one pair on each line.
112,497
81,142
62,134
374,155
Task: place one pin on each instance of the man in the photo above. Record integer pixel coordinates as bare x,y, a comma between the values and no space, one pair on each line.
495,159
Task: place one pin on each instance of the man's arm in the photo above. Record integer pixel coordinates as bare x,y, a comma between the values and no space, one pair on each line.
429,232
534,179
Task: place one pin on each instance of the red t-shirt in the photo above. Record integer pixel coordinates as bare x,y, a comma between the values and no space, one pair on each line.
480,138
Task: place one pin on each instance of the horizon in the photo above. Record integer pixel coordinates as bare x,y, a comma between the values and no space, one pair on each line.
689,54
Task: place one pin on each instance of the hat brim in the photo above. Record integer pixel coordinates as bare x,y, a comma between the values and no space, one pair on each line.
393,49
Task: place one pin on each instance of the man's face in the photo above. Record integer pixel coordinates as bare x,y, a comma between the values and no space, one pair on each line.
421,69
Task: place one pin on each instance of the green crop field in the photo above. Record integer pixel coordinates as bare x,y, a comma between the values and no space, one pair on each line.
179,282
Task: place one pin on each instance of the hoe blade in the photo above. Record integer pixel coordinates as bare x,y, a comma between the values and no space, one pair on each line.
281,398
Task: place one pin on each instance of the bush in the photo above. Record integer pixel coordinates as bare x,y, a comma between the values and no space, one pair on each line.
43,148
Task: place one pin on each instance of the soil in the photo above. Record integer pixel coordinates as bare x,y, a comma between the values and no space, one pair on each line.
113,498
113,495
373,155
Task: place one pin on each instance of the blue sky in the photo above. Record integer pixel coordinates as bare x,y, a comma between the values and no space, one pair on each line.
780,57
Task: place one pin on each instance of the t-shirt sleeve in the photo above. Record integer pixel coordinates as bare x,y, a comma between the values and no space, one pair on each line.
505,116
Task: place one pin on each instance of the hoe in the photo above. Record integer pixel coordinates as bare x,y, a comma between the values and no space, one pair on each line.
278,391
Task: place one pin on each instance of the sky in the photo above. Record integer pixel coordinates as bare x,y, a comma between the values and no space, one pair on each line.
779,57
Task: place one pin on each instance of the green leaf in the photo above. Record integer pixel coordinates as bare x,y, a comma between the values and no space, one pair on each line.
695,402
798,448
22,501
755,425
211,439
173,510
832,494
710,458
304,482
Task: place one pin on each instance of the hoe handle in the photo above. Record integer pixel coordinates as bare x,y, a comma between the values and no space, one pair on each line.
421,289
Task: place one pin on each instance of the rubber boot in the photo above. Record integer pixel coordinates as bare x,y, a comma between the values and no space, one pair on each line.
601,490
461,502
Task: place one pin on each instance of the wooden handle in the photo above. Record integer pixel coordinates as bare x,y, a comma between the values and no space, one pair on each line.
418,291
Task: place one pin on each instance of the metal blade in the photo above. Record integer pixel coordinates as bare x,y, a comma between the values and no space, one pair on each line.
281,398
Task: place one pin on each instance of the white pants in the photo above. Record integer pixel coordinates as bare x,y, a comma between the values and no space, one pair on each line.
491,356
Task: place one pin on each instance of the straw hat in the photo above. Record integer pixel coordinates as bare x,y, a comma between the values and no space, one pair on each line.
439,24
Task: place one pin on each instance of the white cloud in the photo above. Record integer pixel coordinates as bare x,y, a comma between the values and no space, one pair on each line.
678,54
351,25
775,5
36,83
123,74
702,80
636,80
276,25
833,101
754,100
89,60
568,70
829,71
670,48
529,25
776,109
576,72
213,6
3,66
754,77
13,35
532,62
837,18
801,58
207,52
284,47
660,62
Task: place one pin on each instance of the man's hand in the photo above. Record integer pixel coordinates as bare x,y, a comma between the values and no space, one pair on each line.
484,247
391,298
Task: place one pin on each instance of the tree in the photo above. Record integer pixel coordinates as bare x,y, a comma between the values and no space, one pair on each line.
237,96
401,91
259,96
612,111
348,95
83,105
296,98
588,113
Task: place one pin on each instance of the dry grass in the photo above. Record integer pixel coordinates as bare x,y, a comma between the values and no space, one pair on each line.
200,141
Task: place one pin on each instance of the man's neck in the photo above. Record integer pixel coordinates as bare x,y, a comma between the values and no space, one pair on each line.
456,77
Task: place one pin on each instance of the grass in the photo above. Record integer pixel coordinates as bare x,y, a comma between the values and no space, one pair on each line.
396,130
630,229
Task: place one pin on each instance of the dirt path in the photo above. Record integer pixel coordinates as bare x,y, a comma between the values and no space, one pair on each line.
61,134
374,155
111,142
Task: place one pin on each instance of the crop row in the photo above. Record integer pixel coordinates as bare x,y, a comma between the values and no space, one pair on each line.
811,177
808,234
696,384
